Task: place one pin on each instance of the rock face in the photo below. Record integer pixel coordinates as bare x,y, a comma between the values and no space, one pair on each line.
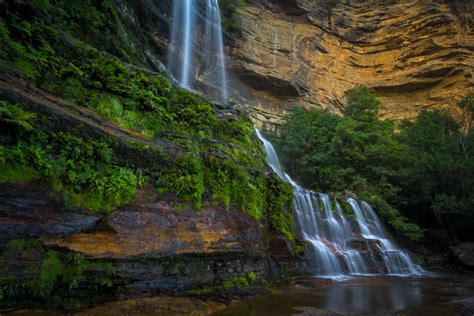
155,227
415,54
464,254
157,244
29,211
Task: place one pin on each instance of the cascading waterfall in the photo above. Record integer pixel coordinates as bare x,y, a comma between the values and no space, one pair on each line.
335,239
184,57
350,242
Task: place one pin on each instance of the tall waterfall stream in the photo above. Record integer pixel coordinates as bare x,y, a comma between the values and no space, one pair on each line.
184,57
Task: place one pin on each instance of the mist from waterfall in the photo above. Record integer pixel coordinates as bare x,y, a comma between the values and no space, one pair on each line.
187,60
342,242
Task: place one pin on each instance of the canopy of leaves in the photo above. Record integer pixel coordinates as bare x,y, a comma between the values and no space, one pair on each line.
426,170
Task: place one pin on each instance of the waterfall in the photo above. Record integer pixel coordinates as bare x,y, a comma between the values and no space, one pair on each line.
335,240
184,55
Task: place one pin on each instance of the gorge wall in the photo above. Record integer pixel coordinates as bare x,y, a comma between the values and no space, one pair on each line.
415,54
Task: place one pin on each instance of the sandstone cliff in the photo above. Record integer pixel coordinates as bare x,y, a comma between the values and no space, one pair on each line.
415,54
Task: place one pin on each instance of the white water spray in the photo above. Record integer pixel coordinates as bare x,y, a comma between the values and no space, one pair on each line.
184,56
335,241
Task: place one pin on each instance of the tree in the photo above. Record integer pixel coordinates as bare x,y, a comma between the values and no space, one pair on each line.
361,103
305,146
426,170
363,143
438,175
467,107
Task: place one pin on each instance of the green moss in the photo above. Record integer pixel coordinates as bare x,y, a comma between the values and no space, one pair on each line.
229,182
56,270
174,268
279,208
357,244
185,179
347,209
251,277
81,170
236,283
12,174
16,245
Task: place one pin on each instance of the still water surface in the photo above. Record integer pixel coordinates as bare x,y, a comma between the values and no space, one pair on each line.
440,295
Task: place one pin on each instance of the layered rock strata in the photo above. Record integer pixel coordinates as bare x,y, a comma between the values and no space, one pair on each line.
415,54
157,244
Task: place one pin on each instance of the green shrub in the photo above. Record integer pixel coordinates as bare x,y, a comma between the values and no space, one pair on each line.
51,269
54,271
357,152
82,170
230,17
185,180
280,208
15,115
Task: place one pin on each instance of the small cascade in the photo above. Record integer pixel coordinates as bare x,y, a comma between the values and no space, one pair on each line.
397,261
342,244
193,19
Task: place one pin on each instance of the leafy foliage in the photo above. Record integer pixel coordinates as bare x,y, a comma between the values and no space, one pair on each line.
55,270
425,172
235,283
230,17
14,114
82,170
358,152
185,180
304,146
438,174
280,216
54,45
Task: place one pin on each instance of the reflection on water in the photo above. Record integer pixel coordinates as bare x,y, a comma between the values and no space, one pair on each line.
364,296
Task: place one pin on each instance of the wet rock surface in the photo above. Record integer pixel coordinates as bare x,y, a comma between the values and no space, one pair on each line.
29,210
153,227
158,245
464,254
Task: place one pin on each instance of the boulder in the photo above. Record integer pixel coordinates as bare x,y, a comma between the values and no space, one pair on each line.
464,254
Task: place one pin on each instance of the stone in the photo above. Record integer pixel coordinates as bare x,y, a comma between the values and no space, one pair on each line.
415,54
152,226
27,210
158,244
161,305
464,254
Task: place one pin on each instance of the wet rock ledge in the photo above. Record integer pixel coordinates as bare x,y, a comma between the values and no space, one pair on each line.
157,246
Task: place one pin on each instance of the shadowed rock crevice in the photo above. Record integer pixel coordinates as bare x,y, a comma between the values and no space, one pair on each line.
415,54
